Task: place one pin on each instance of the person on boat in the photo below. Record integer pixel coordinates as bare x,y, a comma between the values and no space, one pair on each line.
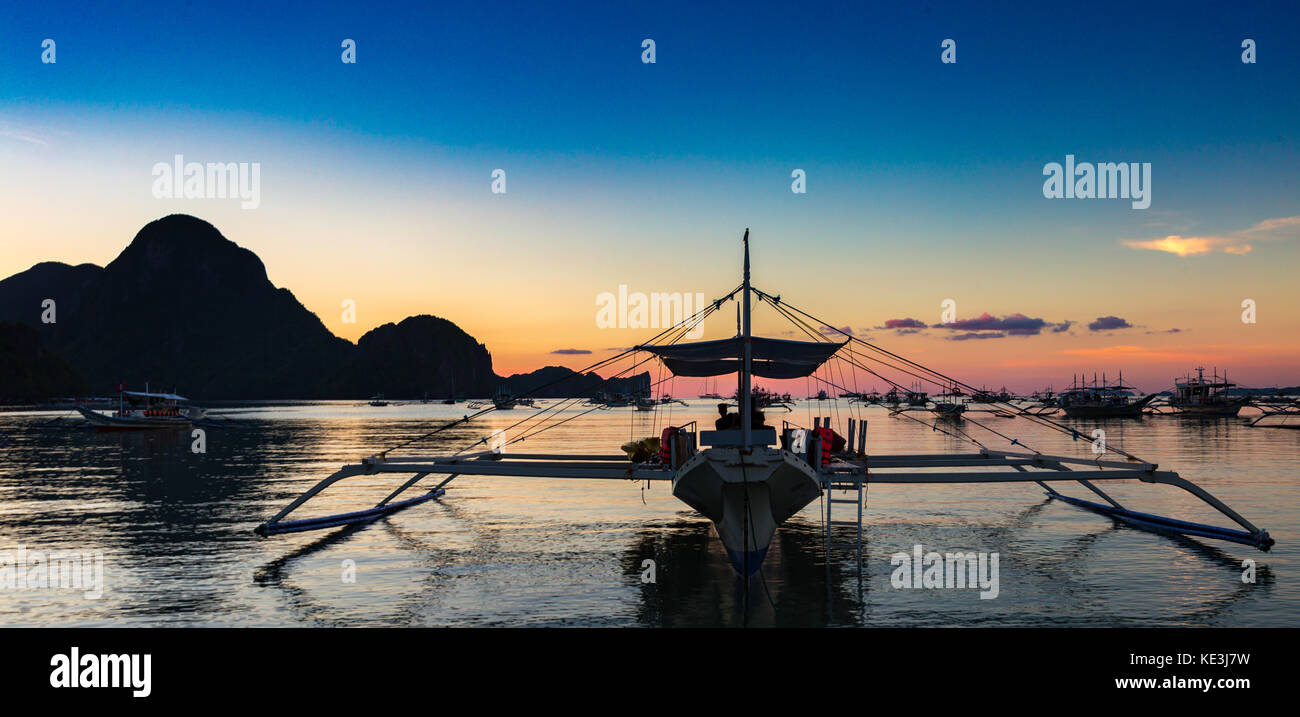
731,421
726,421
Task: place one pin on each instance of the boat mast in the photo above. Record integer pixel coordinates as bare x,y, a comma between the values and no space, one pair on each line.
745,400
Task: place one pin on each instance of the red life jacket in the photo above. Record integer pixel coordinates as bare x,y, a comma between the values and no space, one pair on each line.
827,437
666,444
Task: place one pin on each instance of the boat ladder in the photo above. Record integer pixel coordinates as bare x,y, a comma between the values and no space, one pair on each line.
853,484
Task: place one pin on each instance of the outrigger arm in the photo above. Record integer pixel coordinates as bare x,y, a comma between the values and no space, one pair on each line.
883,469
485,463
878,470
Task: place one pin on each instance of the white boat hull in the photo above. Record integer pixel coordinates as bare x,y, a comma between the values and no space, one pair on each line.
105,422
746,496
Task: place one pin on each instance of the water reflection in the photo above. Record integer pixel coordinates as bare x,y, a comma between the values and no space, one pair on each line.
176,530
697,587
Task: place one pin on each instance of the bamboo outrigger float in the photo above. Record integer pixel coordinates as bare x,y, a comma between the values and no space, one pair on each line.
1285,409
748,479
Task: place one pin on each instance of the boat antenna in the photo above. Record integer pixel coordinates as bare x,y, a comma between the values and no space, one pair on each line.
746,418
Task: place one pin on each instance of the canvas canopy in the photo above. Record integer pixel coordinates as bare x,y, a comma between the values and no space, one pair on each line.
771,358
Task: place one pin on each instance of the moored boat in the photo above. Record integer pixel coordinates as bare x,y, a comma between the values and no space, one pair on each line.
1199,396
951,404
1101,399
503,400
746,480
142,410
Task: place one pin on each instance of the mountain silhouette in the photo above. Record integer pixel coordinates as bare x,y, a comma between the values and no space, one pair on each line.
183,307
31,372
421,354
563,382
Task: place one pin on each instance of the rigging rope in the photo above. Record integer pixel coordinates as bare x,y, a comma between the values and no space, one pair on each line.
674,334
697,317
1041,420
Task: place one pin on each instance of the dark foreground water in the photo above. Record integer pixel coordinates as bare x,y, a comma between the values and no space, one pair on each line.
175,532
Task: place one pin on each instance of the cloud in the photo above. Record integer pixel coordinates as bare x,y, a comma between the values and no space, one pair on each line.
1190,246
968,336
1238,242
1014,325
22,135
829,331
568,352
903,324
1106,323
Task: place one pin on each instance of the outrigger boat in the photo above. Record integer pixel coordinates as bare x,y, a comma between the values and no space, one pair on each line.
866,398
502,400
748,480
763,398
604,399
986,396
950,405
1102,399
1198,396
1286,413
1278,406
142,410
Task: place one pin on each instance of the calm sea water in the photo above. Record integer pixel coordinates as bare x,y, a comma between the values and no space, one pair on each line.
176,531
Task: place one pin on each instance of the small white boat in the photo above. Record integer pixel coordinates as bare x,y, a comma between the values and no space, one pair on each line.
141,410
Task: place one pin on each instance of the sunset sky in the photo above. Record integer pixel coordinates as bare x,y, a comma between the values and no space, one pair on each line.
924,179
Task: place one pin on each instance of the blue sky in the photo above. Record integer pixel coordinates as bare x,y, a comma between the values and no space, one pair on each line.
837,83
913,165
